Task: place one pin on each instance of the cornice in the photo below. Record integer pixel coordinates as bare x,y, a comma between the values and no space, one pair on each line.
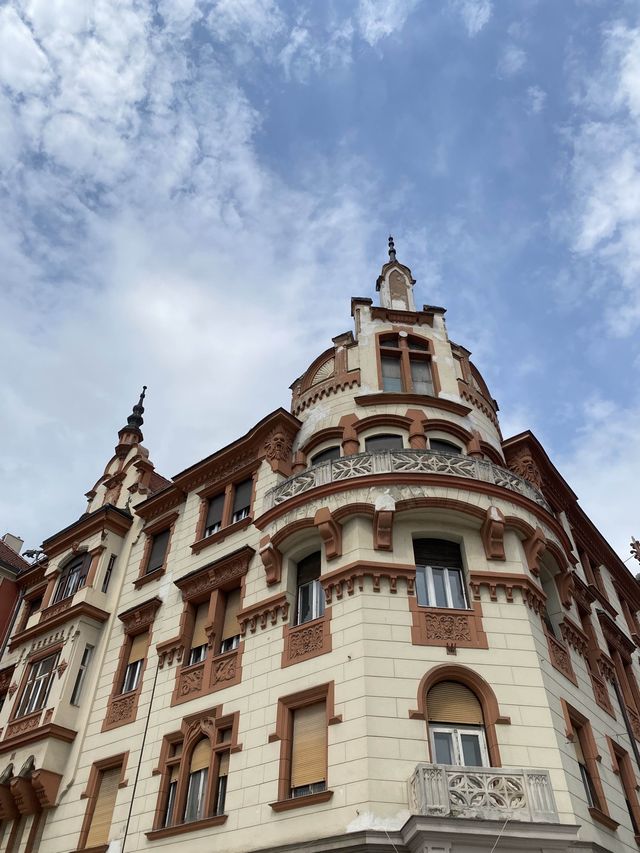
424,400
81,609
106,518
50,730
215,574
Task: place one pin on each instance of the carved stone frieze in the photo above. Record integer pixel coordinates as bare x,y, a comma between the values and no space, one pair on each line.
216,574
309,640
224,670
55,609
575,637
191,681
531,594
446,628
121,709
606,666
5,679
24,724
140,617
635,722
601,694
560,658
169,651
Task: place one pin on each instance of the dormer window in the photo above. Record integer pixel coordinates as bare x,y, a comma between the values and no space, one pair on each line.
405,364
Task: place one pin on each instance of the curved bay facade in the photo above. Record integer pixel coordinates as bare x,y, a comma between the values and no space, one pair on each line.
370,623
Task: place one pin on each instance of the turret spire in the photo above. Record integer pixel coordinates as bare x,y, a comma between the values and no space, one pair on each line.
135,420
392,249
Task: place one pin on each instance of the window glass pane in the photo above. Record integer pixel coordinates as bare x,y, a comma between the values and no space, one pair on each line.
421,587
389,342
439,587
171,798
214,515
421,377
195,795
242,500
391,374
417,345
441,446
437,552
443,747
383,442
309,568
158,551
456,588
588,785
471,752
326,455
305,602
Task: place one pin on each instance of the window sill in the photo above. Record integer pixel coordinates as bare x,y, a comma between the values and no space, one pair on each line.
603,818
101,848
221,534
300,802
148,578
180,828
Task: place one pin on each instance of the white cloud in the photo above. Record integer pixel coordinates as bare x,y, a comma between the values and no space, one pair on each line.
23,64
512,60
380,18
536,99
475,14
604,223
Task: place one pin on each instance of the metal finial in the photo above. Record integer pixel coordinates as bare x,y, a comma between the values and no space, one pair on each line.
135,418
392,249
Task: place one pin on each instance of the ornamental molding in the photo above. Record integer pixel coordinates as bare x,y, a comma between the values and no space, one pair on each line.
575,636
614,635
350,578
137,619
263,613
170,650
215,574
560,658
532,595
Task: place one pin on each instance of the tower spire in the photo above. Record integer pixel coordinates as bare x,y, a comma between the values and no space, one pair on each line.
392,249
135,419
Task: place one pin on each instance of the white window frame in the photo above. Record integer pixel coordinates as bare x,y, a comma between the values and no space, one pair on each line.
317,601
455,732
76,693
230,644
37,689
134,667
431,591
200,654
196,792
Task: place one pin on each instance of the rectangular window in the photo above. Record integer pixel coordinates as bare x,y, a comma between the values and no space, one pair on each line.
36,690
159,544
195,805
135,661
439,574
103,807
421,377
310,595
309,750
459,746
171,797
391,374
199,639
242,500
221,785
587,780
80,677
215,511
230,636
107,575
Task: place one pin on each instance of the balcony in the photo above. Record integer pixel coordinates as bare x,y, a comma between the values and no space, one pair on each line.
402,462
484,793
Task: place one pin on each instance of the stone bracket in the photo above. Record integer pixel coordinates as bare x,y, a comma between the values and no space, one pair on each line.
271,560
493,534
331,532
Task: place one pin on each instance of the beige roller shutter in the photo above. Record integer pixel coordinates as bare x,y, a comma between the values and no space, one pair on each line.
309,751
201,756
138,649
199,634
105,804
231,626
223,768
450,702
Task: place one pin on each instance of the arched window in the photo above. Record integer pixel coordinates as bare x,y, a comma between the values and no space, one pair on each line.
383,441
439,445
439,574
326,455
73,577
196,803
456,726
405,364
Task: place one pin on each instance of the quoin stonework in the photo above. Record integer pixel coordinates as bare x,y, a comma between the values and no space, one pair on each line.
371,623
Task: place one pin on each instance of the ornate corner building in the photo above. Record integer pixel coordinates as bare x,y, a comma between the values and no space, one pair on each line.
369,624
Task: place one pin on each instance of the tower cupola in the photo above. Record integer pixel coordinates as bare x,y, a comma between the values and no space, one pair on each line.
395,283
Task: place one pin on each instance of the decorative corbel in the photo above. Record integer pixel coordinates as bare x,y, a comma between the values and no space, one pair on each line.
350,443
46,784
331,532
299,462
383,522
534,548
271,560
417,435
474,449
564,582
493,534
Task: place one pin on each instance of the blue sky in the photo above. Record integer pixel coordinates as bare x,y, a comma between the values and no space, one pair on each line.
192,192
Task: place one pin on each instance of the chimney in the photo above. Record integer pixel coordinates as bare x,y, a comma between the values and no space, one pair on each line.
14,542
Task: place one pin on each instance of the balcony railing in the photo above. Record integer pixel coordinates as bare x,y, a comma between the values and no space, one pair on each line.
402,462
486,793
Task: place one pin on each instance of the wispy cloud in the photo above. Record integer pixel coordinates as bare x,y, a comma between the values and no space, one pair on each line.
475,14
512,60
380,18
536,99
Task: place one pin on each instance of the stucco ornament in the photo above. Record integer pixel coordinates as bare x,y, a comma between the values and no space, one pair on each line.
277,446
524,465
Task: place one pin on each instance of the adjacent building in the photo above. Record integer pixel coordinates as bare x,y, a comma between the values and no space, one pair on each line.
368,624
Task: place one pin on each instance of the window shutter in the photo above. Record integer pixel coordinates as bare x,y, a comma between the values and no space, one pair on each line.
450,702
437,552
309,751
242,495
158,551
214,512
199,634
201,756
309,569
138,649
231,626
223,767
103,810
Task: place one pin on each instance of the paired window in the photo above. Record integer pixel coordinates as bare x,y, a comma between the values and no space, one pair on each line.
405,364
439,574
226,606
38,686
456,726
135,662
310,595
228,507
72,578
326,455
82,674
383,442
158,551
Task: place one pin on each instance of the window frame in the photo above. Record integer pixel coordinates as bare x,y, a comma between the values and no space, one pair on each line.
397,345
228,521
427,586
456,731
43,695
93,788
78,685
72,577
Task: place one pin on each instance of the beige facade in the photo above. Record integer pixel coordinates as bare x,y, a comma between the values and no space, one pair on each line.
189,634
